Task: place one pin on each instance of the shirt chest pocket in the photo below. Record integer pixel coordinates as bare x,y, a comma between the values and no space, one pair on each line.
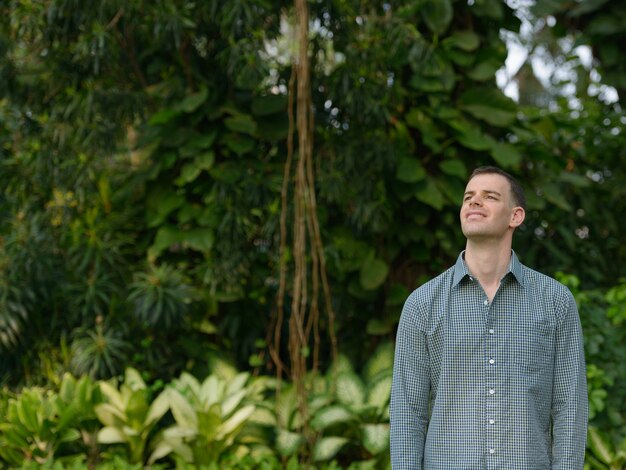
535,345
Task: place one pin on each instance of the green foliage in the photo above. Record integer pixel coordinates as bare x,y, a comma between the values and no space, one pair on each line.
128,415
349,414
142,148
99,353
211,419
161,297
603,454
41,425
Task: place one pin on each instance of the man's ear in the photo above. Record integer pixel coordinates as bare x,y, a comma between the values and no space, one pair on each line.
517,217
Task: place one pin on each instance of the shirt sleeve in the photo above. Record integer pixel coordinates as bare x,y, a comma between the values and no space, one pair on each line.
409,392
569,398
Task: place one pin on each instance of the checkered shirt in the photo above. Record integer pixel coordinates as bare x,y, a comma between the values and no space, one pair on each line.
480,385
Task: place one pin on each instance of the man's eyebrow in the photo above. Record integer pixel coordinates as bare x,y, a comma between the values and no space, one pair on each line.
488,191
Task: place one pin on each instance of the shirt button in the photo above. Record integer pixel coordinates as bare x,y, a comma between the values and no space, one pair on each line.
492,451
486,302
492,391
492,361
492,421
491,331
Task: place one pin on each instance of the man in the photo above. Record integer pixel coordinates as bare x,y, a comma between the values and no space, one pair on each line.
489,369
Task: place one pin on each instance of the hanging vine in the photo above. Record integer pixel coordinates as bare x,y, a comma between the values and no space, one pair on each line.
309,278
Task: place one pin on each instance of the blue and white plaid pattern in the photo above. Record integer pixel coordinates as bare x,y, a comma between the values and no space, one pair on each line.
479,385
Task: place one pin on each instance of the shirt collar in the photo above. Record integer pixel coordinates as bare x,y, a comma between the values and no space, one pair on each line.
460,269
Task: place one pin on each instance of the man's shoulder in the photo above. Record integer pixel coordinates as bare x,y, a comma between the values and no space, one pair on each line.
436,286
545,285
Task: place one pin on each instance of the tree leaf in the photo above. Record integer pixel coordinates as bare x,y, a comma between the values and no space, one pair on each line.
161,204
437,15
269,104
410,170
238,143
490,105
188,173
431,195
192,102
506,155
473,138
373,273
554,195
466,40
454,168
242,123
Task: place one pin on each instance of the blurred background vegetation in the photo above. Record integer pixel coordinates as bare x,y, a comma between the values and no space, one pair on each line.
142,166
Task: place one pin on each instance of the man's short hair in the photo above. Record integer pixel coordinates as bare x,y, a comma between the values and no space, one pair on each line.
519,198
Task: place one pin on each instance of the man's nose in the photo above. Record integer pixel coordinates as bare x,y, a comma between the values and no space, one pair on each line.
475,200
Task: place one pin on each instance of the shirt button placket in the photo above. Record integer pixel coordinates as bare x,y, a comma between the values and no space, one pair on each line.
492,395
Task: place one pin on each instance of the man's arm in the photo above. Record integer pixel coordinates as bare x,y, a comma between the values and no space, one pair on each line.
569,399
409,393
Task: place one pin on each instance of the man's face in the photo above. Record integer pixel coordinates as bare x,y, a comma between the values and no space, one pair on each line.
488,209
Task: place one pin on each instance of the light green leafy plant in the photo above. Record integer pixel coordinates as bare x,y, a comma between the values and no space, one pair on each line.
348,412
41,425
211,417
128,414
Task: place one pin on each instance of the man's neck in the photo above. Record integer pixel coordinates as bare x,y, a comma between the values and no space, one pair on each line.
488,263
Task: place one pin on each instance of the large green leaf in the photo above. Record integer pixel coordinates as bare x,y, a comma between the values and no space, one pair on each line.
454,168
473,138
350,390
466,40
327,447
288,443
183,412
188,173
431,195
269,104
236,421
232,402
238,143
192,102
437,15
158,408
554,195
410,170
375,437
329,416
161,204
373,273
199,239
111,435
485,70
506,155
242,123
379,392
600,445
381,361
575,179
490,105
